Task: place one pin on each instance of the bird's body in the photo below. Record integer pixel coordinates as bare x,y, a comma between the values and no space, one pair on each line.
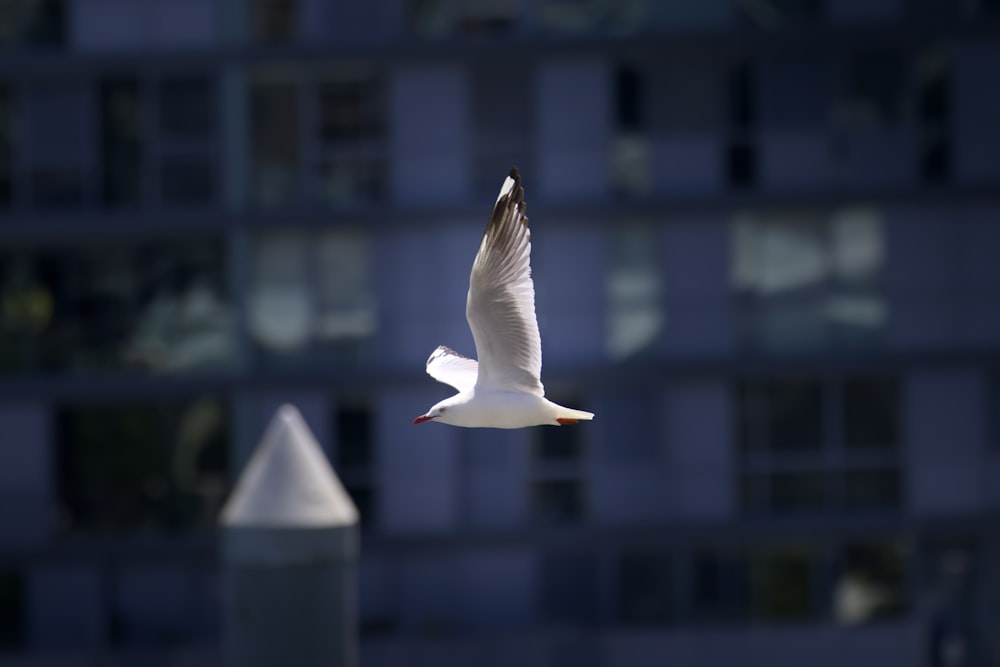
504,388
488,408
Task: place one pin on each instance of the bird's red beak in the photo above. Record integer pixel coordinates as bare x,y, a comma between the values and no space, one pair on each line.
421,419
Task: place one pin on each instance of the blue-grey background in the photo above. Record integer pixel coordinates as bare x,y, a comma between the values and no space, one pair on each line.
765,251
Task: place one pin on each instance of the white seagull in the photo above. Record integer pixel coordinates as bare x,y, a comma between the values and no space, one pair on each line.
504,388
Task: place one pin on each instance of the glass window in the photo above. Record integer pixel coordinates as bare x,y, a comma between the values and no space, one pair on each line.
741,164
871,413
782,417
11,609
644,588
780,579
807,282
142,468
354,457
311,297
345,181
816,447
274,139
57,139
719,585
445,18
779,14
875,489
352,167
187,108
933,70
800,491
152,307
635,301
6,146
592,16
122,144
187,179
274,21
354,435
875,93
351,106
34,22
630,157
871,583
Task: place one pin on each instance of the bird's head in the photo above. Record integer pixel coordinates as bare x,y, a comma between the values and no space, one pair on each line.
438,412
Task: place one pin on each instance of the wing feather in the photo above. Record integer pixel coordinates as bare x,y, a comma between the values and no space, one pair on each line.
447,366
501,303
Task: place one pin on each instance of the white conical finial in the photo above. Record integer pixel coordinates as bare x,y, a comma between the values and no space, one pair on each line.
288,482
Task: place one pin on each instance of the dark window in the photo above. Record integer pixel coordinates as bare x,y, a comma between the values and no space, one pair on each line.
187,179
142,468
33,22
871,414
871,583
741,164
935,89
187,108
741,95
780,580
558,501
630,99
935,9
354,435
779,14
630,156
52,115
799,491
6,146
121,142
795,416
274,140
814,447
153,307
935,160
782,417
346,181
274,21
11,610
354,457
993,408
644,588
446,18
877,489
876,87
351,107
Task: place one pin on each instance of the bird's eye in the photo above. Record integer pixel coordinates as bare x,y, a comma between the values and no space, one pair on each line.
440,411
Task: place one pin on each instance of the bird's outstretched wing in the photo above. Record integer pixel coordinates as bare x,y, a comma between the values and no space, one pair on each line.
501,302
447,366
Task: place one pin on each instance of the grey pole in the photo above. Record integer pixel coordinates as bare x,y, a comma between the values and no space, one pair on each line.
289,552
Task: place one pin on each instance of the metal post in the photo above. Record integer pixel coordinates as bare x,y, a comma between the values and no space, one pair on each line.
289,551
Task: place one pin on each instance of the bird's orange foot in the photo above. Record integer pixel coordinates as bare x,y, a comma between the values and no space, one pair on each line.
563,421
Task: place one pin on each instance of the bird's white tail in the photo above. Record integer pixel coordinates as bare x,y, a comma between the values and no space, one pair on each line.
571,416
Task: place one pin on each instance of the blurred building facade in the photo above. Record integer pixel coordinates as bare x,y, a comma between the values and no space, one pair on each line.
764,251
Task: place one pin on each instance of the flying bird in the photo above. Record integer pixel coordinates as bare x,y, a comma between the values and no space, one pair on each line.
504,388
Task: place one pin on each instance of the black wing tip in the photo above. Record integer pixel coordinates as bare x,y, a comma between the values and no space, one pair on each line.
517,193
